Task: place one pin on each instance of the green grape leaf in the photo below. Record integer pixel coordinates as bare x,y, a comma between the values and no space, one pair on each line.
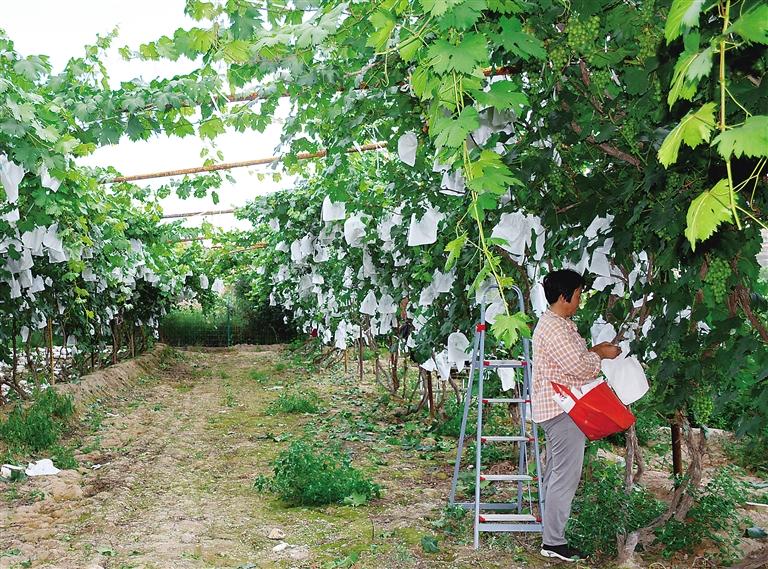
453,132
753,24
355,500
237,51
507,6
466,57
408,48
749,139
519,42
683,13
694,128
383,23
454,249
211,128
707,212
489,174
438,7
463,16
509,327
502,95
690,67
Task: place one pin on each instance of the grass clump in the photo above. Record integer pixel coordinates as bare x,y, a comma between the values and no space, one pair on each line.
258,376
38,426
305,475
294,403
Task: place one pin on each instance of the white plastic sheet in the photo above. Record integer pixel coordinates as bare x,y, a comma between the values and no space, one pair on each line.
442,282
508,377
33,240
539,299
354,231
626,377
47,180
42,467
515,228
204,282
11,175
406,148
458,345
333,211
424,230
387,304
217,286
369,304
443,365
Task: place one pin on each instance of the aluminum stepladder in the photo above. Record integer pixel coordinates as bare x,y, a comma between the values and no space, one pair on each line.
489,516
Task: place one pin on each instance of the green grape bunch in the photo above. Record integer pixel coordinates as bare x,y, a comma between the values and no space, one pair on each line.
702,406
559,57
583,35
718,273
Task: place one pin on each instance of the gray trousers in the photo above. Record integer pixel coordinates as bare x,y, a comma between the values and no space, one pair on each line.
562,473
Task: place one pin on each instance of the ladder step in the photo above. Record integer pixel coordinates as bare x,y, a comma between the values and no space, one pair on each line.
508,518
506,477
504,363
502,439
506,400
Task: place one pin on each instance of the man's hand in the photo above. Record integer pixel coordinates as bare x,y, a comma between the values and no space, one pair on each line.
606,350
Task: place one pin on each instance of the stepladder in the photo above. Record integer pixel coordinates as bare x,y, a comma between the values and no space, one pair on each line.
515,496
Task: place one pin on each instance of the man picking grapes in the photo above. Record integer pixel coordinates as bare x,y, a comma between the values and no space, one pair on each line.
561,355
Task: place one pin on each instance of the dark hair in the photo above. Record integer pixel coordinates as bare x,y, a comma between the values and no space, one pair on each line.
563,282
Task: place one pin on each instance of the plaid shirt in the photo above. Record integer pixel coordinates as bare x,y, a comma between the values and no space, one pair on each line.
559,354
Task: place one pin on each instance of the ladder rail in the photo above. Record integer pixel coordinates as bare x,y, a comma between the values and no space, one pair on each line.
463,430
478,434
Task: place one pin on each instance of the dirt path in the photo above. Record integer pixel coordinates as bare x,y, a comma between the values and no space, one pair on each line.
167,469
166,481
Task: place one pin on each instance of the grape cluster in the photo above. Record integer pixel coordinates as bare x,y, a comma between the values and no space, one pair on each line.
630,130
717,278
702,405
559,57
672,352
649,37
582,35
601,78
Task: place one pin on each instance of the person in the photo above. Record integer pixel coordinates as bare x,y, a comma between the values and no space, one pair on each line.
560,354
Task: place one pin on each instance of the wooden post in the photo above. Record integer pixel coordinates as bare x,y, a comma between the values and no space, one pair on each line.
677,448
360,353
14,369
115,346
50,351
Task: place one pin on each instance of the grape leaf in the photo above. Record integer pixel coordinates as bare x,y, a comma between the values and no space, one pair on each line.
453,132
753,24
466,57
519,42
502,95
237,51
211,128
463,16
454,249
694,128
489,174
707,212
750,139
690,67
682,13
383,23
438,7
509,327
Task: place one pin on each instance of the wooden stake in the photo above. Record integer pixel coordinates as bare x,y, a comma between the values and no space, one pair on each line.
677,449
50,351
